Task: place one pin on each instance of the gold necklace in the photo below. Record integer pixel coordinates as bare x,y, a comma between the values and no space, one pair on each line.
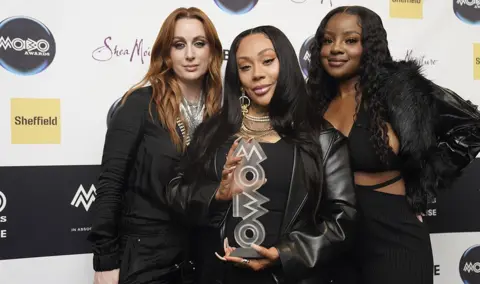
265,118
256,130
255,133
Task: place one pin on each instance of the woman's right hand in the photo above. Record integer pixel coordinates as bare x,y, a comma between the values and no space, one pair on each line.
107,277
228,187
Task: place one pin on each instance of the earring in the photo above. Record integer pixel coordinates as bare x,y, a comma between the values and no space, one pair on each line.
244,102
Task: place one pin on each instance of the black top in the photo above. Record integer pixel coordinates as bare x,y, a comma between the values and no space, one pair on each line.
312,236
138,161
278,171
363,155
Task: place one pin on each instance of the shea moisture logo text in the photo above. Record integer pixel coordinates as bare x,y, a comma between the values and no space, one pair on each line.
138,50
110,50
422,60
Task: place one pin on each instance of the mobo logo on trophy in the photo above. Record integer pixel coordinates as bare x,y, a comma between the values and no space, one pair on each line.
249,176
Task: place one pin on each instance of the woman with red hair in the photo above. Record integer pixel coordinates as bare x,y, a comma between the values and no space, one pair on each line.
135,239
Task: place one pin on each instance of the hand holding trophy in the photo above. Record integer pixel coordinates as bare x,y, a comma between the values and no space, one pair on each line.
241,178
228,188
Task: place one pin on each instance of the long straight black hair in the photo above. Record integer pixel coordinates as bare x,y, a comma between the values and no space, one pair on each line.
287,109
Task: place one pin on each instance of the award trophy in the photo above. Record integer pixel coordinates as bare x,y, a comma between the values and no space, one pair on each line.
249,176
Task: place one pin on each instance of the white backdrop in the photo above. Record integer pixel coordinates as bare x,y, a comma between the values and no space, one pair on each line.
88,82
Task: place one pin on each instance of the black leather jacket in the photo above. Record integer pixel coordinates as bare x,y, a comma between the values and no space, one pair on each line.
306,245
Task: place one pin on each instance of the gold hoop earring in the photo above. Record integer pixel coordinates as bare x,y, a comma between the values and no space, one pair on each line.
244,102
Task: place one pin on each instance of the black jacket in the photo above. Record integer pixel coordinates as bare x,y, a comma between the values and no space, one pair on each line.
423,116
306,243
139,160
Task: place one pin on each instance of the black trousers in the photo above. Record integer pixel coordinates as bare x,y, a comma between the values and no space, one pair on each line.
145,259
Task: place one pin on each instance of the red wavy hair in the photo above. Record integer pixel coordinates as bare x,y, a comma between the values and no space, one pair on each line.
160,75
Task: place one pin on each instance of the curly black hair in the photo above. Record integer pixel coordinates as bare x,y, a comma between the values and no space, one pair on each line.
375,60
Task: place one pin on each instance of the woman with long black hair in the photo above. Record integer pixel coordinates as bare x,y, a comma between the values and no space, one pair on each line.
401,134
309,185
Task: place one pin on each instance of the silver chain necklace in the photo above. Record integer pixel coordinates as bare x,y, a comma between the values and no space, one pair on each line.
193,115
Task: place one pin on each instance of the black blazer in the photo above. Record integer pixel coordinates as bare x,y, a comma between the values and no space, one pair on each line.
139,160
307,243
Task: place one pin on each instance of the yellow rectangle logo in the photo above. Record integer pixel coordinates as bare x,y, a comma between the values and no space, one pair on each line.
35,121
409,9
476,61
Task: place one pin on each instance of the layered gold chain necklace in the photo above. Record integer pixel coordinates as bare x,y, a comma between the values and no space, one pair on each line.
248,131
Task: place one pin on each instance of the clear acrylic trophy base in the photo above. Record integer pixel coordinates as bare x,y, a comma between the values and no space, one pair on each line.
246,253
248,204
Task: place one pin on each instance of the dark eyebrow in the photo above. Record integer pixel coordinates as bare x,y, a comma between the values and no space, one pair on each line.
260,53
345,33
195,38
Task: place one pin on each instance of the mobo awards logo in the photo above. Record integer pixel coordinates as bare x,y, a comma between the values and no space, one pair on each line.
27,46
470,265
304,55
236,7
467,10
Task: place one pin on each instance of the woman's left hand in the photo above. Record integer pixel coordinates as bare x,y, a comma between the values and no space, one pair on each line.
270,257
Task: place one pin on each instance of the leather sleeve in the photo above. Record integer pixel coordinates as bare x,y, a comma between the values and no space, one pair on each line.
193,199
310,246
121,143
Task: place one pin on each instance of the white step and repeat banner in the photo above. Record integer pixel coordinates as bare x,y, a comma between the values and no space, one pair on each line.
64,63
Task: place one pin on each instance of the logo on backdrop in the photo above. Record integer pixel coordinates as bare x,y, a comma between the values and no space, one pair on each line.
226,52
470,265
3,219
436,270
431,208
304,55
303,1
411,9
423,59
476,61
3,201
467,10
84,198
35,121
236,7
110,50
27,46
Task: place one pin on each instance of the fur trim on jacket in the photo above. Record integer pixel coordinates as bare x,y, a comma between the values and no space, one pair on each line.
412,112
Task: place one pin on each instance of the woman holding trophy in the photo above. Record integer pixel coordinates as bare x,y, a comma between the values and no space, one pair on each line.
281,196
